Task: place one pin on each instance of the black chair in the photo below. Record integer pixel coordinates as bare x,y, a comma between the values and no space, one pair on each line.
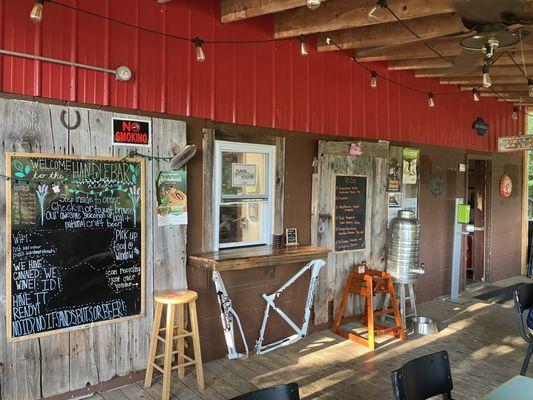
424,377
523,299
281,392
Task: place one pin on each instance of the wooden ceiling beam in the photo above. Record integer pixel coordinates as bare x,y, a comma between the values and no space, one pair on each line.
438,63
392,33
497,88
446,46
237,10
510,70
344,14
472,80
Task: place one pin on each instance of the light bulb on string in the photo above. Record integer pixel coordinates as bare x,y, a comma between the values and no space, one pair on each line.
530,87
313,4
475,93
373,79
487,81
36,14
200,55
303,46
431,100
372,13
516,110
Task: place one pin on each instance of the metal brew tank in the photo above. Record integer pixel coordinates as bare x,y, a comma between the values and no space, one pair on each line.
403,248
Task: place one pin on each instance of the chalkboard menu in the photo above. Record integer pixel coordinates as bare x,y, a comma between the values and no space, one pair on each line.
350,212
75,242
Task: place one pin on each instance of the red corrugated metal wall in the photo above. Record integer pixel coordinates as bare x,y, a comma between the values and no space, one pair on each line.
269,85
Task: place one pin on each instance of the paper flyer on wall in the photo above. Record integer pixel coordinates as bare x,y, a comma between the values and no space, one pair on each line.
410,166
395,201
411,204
172,198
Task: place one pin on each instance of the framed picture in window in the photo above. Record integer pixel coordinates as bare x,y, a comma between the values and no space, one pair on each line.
291,237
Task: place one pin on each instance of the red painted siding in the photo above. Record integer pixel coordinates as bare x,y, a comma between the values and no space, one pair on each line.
267,85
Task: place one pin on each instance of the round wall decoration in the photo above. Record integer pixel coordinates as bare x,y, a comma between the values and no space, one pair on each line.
506,186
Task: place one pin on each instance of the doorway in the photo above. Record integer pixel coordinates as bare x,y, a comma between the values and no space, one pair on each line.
478,199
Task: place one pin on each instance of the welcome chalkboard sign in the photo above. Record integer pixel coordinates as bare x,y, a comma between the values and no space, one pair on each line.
350,212
75,242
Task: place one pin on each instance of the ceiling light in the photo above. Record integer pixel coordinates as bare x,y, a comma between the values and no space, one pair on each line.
431,100
475,93
313,4
200,55
530,87
516,110
303,46
374,79
487,81
36,14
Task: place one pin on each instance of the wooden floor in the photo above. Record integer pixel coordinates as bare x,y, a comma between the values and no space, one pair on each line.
482,339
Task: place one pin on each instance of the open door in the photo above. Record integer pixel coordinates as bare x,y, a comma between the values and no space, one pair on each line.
477,196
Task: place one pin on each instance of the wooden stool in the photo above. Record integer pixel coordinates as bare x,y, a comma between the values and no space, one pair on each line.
366,282
174,299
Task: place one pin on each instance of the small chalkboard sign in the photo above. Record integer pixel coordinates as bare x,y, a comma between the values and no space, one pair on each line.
350,212
291,237
75,242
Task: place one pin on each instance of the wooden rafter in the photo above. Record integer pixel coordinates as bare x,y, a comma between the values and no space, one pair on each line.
236,10
509,70
393,33
497,88
437,63
344,14
473,80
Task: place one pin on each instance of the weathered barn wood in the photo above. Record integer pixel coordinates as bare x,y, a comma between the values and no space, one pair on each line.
69,361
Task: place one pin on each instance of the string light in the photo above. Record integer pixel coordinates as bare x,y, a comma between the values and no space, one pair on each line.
475,93
303,46
431,100
487,81
313,4
200,55
372,13
37,10
516,110
36,14
373,79
530,87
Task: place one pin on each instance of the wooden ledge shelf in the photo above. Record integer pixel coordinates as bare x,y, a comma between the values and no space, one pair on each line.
255,257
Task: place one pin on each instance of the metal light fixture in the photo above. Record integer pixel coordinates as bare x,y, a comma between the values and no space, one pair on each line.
372,13
487,81
530,87
313,4
373,79
475,93
431,100
123,74
36,14
200,55
303,46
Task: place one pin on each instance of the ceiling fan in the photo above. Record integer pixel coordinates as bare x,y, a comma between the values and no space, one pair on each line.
495,24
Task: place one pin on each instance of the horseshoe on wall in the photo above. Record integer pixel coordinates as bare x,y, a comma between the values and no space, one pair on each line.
66,125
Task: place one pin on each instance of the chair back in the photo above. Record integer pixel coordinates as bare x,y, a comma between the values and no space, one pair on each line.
423,377
281,392
523,299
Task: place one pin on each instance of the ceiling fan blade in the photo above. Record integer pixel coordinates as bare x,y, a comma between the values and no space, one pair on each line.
492,11
466,61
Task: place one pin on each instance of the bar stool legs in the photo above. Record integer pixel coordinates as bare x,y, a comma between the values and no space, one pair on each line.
175,302
403,297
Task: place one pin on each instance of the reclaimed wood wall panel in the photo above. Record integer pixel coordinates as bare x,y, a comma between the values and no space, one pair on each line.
59,363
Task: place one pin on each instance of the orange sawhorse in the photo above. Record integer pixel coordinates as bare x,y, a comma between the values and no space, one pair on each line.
366,282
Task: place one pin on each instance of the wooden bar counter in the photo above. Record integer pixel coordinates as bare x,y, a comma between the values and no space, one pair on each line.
256,257
247,274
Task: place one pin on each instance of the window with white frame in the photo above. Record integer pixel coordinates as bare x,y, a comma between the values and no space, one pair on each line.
244,194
